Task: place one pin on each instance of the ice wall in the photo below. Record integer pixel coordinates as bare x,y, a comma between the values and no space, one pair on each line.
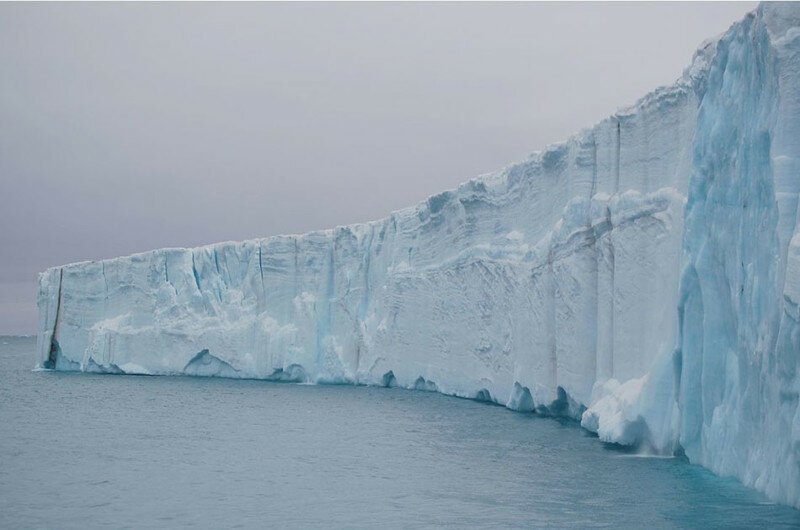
728,395
646,268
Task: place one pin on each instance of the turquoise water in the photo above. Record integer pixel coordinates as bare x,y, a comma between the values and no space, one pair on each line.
87,451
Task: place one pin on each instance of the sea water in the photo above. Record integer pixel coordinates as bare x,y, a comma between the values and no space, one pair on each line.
87,451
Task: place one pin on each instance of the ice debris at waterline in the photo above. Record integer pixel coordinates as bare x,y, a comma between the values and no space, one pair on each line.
643,276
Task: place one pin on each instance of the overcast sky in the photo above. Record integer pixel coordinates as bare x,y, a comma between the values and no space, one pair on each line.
127,127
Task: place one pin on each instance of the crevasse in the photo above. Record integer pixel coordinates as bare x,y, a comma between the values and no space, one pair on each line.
643,276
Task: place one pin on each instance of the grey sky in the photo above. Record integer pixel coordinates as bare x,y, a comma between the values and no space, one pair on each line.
127,127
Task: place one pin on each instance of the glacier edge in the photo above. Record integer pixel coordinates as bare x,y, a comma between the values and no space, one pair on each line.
643,277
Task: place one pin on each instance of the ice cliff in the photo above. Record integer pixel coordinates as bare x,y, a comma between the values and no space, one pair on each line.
643,276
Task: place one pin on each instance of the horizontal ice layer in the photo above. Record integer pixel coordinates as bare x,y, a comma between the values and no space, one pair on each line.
647,268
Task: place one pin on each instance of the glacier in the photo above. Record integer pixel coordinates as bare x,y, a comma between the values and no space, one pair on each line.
642,277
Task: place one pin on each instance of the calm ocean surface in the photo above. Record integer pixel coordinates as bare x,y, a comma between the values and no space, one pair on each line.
87,451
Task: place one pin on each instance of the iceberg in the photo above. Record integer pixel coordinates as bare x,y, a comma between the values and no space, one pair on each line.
642,277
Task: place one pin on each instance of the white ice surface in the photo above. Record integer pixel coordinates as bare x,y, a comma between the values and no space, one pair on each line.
643,276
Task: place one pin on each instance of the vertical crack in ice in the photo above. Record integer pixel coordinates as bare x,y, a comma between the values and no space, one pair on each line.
592,291
594,167
324,320
618,156
105,280
260,266
365,296
612,297
52,357
194,273
216,261
551,321
296,275
362,309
